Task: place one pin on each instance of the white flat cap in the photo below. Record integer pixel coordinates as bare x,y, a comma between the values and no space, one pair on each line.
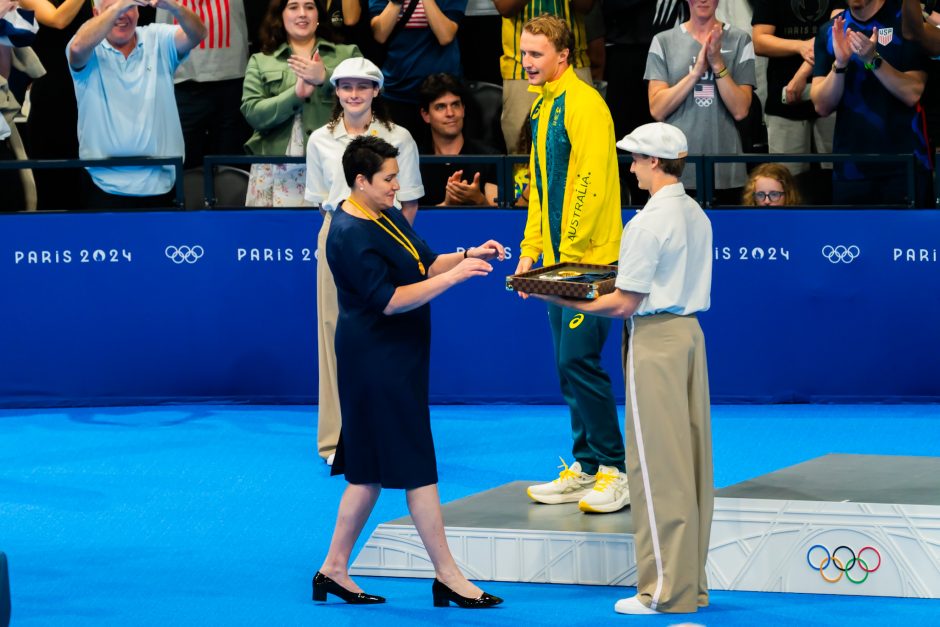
656,139
358,67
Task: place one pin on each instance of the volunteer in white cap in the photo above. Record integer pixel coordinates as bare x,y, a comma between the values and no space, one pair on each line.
663,281
285,96
358,111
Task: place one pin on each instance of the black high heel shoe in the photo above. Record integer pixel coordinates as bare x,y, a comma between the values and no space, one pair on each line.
323,584
444,595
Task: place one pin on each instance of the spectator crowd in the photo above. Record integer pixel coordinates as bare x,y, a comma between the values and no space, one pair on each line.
97,79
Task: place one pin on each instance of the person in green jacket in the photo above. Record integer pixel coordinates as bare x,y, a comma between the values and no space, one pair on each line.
287,95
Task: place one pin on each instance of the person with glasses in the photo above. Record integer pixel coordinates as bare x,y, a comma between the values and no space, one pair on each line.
771,185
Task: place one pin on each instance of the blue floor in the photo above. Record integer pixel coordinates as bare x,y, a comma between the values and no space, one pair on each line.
204,515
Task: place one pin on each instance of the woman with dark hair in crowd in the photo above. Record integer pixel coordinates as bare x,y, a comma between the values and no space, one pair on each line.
52,123
386,276
771,185
358,111
287,95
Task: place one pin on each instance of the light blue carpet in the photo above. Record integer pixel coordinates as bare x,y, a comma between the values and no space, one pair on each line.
204,515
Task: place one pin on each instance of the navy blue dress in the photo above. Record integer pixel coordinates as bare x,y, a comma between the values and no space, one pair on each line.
382,362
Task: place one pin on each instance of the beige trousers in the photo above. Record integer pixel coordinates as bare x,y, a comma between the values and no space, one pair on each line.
517,104
669,458
329,420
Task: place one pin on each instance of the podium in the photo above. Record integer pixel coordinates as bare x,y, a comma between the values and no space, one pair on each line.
871,522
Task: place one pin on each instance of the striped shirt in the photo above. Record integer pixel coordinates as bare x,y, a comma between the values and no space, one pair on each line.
510,64
418,19
223,54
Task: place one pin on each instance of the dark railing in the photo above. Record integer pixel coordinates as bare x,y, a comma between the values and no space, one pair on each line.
503,165
61,164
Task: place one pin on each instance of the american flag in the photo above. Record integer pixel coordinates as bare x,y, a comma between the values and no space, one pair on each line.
704,90
216,16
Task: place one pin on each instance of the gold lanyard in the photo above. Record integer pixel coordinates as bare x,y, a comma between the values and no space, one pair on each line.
402,240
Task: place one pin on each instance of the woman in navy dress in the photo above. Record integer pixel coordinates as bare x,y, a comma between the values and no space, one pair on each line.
385,277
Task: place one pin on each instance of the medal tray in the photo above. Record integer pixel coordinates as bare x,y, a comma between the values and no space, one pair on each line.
534,281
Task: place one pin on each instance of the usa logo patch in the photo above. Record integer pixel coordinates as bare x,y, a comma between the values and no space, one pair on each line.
885,36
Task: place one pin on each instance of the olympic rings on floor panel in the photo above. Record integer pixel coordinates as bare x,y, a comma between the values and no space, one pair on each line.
844,568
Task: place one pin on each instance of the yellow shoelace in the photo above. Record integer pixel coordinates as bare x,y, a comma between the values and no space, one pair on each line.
566,472
603,480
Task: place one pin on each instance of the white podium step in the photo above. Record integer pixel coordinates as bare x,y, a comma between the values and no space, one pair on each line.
763,535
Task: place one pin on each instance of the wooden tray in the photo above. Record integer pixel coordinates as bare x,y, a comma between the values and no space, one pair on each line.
547,280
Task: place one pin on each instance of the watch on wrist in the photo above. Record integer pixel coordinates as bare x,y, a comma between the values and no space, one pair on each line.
839,70
875,62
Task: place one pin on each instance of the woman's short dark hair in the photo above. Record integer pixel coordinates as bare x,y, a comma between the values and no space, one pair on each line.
272,33
365,155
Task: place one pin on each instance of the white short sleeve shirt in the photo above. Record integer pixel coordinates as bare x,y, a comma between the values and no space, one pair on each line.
326,183
666,253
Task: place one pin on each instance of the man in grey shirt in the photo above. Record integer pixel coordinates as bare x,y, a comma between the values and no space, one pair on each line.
701,78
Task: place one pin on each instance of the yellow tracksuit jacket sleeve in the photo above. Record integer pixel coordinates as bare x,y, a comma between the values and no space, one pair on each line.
591,220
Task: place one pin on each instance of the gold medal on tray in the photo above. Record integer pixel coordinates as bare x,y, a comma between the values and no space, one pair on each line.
568,280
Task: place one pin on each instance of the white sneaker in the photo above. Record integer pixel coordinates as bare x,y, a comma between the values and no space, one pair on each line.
611,493
569,487
632,605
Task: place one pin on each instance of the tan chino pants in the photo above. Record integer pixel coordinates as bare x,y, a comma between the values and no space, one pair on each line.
669,458
329,419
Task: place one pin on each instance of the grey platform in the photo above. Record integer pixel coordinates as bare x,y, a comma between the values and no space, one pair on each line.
761,533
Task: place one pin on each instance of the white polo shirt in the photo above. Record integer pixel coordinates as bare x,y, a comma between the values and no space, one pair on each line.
666,253
326,183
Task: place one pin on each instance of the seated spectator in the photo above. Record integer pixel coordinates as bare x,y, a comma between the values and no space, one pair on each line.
517,99
288,95
209,83
786,33
53,113
771,185
442,108
123,79
421,39
701,80
873,79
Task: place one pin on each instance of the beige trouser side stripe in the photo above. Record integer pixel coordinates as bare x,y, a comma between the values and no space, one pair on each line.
645,469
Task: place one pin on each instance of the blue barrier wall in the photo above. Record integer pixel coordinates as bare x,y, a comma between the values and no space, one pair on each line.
103,309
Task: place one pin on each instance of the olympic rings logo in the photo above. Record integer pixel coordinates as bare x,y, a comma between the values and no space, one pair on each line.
184,254
845,569
840,253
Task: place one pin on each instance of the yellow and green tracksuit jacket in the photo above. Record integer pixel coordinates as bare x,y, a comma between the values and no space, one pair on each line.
574,185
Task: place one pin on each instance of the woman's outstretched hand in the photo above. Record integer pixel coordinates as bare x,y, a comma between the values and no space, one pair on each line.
468,268
489,250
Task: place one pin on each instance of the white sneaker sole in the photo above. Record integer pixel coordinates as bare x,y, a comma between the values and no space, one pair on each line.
557,499
606,508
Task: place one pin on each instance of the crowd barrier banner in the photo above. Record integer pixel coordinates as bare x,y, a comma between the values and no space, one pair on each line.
110,309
